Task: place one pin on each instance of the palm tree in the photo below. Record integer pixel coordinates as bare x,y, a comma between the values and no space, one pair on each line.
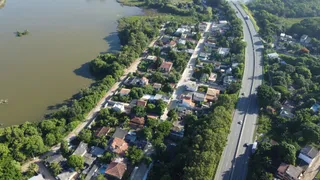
55,168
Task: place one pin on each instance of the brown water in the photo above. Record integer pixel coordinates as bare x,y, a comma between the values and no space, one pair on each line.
49,65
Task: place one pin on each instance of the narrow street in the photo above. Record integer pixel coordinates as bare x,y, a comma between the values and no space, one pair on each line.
186,75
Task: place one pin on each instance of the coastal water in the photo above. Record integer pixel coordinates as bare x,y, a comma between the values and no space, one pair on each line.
50,64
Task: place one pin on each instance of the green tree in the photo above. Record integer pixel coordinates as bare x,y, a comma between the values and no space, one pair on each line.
267,96
101,177
85,135
76,162
147,133
139,111
64,148
134,154
50,139
55,168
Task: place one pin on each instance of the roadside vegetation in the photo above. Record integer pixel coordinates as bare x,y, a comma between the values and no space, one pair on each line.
197,155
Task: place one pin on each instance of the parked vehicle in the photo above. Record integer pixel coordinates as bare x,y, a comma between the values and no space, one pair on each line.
254,147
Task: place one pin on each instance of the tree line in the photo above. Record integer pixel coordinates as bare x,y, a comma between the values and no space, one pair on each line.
288,8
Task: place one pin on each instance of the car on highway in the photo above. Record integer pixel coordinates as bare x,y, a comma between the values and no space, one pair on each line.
246,145
240,122
246,17
242,94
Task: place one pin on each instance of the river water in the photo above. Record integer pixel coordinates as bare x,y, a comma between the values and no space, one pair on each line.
50,64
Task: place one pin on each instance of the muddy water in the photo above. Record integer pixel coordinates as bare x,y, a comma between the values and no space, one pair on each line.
49,65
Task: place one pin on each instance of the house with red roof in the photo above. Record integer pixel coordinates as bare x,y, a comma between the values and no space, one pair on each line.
116,169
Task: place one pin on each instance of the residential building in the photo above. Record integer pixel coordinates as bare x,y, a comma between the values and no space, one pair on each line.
150,116
204,77
308,154
315,107
203,56
180,31
191,86
103,131
212,78
88,161
187,103
229,70
217,66
166,66
124,92
67,175
131,137
303,38
223,51
116,169
137,123
118,146
177,131
157,86
203,26
198,97
97,151
223,22
55,158
210,44
81,150
119,107
286,110
172,43
120,133
273,55
227,80
151,58
142,103
289,172
92,172
182,41
144,81
147,97
37,177
135,81
212,94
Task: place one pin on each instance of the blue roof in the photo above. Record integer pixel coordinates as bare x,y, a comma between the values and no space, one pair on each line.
315,107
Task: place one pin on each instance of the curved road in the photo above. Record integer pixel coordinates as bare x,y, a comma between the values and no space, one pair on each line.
234,159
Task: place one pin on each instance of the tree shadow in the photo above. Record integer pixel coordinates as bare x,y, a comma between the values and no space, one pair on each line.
84,71
113,42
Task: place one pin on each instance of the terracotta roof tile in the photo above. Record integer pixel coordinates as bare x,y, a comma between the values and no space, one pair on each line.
116,169
102,131
119,146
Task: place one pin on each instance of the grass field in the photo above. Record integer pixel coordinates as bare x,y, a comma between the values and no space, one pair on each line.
288,22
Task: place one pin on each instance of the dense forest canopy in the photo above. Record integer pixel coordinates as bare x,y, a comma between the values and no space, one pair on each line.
288,8
310,27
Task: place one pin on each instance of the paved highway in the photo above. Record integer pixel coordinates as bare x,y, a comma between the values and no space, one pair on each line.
234,159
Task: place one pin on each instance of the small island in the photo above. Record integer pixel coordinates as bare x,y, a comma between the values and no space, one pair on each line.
25,32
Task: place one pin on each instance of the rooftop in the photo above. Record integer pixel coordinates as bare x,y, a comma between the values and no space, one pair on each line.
125,91
309,151
55,158
119,146
81,149
103,131
116,169
138,120
166,65
141,103
120,133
